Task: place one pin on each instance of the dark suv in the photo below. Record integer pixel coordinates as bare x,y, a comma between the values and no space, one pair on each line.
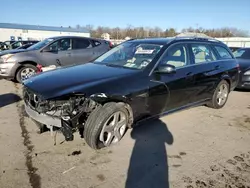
135,80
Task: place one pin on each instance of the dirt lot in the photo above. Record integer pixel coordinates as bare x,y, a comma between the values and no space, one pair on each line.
199,147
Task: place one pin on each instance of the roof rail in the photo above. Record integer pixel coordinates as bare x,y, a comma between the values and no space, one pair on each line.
197,38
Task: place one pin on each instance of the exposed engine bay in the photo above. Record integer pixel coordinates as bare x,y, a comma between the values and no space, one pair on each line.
72,110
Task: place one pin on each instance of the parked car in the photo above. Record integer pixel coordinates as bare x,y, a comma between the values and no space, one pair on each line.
25,46
243,57
17,44
17,50
9,42
233,49
3,46
136,80
5,49
60,51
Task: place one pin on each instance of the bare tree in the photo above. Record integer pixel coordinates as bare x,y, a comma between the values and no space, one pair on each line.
143,32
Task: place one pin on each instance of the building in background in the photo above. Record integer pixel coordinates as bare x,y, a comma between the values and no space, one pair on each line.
9,31
105,36
236,41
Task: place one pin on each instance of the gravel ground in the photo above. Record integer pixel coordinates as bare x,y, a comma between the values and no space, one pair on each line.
199,147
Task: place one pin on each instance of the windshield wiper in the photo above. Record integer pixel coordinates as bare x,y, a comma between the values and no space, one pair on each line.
113,65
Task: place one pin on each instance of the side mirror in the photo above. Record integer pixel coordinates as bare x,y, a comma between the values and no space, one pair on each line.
166,69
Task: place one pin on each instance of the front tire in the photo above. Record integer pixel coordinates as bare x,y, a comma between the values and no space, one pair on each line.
25,72
220,95
106,125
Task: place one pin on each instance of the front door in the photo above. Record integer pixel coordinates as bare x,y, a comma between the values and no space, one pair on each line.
58,53
171,91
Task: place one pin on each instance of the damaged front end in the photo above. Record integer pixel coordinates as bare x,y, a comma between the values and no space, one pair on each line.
71,110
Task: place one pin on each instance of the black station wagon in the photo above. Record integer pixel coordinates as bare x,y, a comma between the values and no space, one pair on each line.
134,81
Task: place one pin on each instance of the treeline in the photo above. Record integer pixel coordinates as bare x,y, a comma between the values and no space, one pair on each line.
143,32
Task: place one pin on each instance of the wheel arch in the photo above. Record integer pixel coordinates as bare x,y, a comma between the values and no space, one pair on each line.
227,79
103,98
20,65
28,62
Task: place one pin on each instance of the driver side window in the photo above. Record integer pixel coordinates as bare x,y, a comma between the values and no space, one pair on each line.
61,45
175,55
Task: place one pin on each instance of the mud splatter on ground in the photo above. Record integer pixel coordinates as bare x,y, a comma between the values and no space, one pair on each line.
243,122
34,177
101,177
233,173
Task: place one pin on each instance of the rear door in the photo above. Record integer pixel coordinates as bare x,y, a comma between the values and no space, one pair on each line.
58,53
100,47
228,64
206,70
83,50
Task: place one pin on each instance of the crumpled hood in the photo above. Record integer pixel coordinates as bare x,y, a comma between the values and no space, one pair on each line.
75,79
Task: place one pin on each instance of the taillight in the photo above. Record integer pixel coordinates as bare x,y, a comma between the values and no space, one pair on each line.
110,44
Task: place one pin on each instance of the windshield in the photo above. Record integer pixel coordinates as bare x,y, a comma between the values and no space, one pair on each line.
242,53
130,55
40,44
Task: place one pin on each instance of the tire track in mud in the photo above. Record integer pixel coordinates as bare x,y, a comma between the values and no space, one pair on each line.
34,178
233,173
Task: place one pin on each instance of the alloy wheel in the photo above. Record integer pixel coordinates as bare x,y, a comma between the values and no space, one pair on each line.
26,73
114,128
222,94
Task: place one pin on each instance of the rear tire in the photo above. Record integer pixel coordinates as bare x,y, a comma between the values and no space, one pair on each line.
220,95
98,133
26,69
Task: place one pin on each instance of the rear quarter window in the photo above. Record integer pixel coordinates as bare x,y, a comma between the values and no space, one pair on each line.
96,43
223,52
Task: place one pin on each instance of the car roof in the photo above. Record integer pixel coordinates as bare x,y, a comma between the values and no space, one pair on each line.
160,41
163,41
244,48
61,37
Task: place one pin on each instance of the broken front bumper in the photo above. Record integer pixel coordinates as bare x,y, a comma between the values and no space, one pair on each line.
43,118
50,121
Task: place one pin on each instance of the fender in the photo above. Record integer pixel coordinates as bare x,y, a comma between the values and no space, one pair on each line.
104,98
17,65
120,99
227,78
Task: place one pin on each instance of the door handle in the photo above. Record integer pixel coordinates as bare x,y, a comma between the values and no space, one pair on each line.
58,62
68,54
217,67
189,75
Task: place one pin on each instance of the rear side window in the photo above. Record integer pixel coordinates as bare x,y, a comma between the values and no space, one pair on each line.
176,55
202,53
242,53
81,44
96,43
223,52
